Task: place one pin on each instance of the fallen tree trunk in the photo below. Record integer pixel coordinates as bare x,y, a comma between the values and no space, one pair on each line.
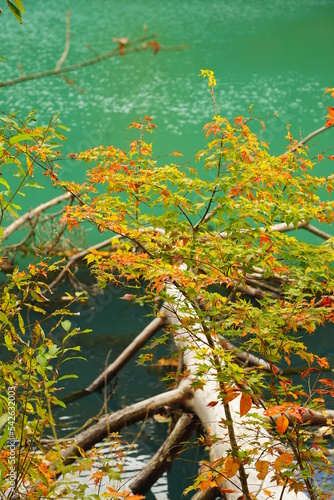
122,418
162,460
229,433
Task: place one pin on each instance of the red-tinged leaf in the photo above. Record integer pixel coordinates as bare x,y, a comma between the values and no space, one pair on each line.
282,424
155,45
265,238
323,362
325,301
239,120
245,404
127,296
274,410
283,460
308,371
331,112
329,122
327,381
320,157
211,404
331,157
136,125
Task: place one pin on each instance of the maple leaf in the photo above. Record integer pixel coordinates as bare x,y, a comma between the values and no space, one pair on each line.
330,117
231,466
245,404
262,467
283,460
282,424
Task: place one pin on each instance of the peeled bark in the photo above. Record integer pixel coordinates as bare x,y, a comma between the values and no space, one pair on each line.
223,422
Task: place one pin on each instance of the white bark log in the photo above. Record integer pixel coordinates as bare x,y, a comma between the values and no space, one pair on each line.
249,436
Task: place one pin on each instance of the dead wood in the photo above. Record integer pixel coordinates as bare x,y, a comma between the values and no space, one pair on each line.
115,421
102,380
167,453
33,213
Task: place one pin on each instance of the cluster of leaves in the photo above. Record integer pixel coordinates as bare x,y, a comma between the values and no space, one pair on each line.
210,231
221,228
35,337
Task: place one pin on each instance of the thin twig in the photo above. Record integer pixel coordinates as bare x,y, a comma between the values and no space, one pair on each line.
67,43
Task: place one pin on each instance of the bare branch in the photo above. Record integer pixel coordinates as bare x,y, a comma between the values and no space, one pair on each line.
318,232
127,416
137,45
67,43
102,380
33,213
162,460
308,138
78,256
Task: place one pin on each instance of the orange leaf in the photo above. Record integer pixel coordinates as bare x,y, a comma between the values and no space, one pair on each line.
282,424
245,404
262,467
330,90
231,466
332,156
177,153
283,460
230,395
320,157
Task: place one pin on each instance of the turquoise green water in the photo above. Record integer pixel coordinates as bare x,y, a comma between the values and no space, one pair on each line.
277,55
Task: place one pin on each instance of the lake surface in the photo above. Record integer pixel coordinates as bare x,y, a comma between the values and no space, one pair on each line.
276,55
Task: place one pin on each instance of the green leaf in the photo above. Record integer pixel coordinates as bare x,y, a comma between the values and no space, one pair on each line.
66,325
4,183
15,11
24,137
71,375
3,421
19,5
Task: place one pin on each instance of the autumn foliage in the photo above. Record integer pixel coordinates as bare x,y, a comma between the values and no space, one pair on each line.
227,232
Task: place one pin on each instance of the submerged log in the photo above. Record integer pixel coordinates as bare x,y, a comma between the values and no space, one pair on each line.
162,460
120,419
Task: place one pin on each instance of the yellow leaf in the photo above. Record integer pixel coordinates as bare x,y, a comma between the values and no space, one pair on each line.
231,466
262,467
283,460
30,166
